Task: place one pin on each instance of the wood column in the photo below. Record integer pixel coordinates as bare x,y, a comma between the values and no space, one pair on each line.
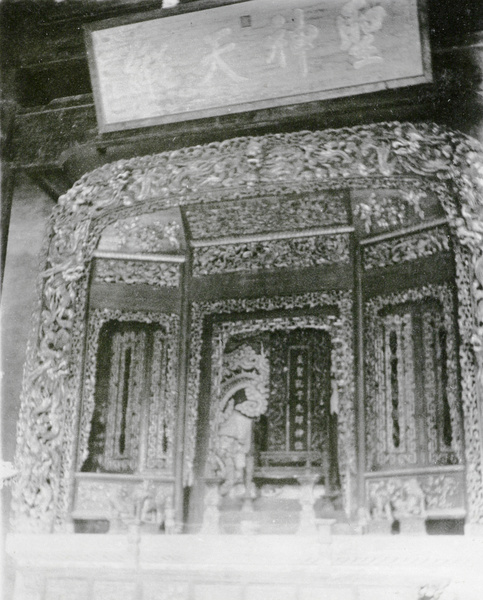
183,364
359,407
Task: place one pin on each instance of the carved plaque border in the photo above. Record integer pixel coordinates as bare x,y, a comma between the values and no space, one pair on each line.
391,155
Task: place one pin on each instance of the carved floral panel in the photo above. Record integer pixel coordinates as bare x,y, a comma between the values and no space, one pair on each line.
407,248
274,254
379,211
158,233
416,495
123,500
268,214
162,274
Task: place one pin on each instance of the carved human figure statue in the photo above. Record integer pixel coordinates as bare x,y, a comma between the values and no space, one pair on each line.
245,399
235,436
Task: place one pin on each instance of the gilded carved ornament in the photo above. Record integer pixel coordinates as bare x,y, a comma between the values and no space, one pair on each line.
408,248
237,168
268,214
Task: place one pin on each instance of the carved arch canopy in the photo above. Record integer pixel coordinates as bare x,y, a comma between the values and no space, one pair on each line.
388,154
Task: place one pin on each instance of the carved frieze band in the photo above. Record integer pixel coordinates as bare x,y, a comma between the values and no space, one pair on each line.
267,214
390,155
136,271
411,247
156,236
275,254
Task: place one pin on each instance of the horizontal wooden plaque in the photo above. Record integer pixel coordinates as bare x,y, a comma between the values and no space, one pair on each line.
252,55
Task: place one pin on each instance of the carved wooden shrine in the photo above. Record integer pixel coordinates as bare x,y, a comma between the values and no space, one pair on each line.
263,330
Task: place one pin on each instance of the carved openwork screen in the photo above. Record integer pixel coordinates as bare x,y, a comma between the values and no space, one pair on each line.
413,396
132,421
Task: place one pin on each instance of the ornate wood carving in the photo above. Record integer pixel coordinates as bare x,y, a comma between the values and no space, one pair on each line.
275,254
155,236
386,154
411,247
162,402
391,437
429,493
123,502
267,214
390,211
136,271
397,498
340,329
470,328
243,397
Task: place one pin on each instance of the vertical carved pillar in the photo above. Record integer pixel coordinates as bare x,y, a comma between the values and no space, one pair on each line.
359,401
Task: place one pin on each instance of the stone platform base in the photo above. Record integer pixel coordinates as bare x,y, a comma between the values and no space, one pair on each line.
236,567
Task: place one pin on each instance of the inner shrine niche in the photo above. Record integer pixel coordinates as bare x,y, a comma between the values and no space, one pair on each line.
253,357
274,415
